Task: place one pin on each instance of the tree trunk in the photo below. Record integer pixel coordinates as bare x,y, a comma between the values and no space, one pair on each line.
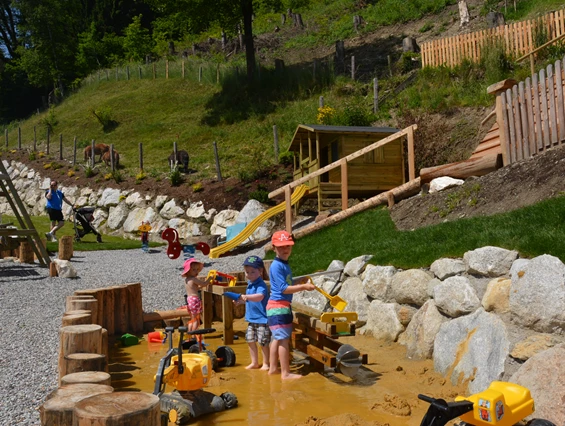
247,9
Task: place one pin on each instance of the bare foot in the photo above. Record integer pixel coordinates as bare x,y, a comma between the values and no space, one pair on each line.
274,371
252,366
265,367
291,376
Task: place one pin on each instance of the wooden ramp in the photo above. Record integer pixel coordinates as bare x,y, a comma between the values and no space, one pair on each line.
486,158
26,231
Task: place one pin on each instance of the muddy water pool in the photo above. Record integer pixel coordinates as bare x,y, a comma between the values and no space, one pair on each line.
383,392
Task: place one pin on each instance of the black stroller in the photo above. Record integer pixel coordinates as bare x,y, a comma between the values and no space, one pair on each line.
83,217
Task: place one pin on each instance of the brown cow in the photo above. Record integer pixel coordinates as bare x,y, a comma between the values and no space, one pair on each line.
99,149
106,158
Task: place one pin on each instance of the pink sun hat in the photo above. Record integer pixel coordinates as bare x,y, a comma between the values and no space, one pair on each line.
187,264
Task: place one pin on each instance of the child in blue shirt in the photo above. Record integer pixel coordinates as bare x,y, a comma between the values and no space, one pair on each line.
279,313
255,298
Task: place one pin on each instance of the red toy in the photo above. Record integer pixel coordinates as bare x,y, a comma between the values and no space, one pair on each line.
175,248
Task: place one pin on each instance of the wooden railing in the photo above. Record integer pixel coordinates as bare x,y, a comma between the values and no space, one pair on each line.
531,113
517,38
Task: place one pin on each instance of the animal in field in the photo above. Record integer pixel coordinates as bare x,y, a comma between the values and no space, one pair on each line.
99,149
182,159
106,158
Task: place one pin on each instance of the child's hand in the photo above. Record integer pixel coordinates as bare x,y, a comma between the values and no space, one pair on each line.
309,286
303,280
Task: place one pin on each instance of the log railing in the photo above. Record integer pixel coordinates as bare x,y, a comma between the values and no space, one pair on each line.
342,163
518,38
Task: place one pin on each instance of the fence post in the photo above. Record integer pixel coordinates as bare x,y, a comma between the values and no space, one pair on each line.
353,68
218,171
34,139
92,161
182,69
389,59
6,137
375,95
154,71
141,157
112,157
107,75
127,72
218,74
139,73
74,150
98,72
200,74
276,135
321,102
48,141
167,69
61,147
174,162
19,138
117,75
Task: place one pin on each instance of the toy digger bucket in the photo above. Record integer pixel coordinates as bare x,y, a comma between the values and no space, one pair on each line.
336,302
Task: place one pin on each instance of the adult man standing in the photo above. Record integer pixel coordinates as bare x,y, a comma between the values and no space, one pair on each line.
55,200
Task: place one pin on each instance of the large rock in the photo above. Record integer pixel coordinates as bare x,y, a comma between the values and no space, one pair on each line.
65,269
410,287
357,301
544,376
315,299
474,348
100,217
250,211
445,268
444,182
377,281
135,199
222,220
196,210
357,265
420,334
170,210
117,216
136,216
532,345
383,322
183,227
497,296
537,295
110,197
455,297
489,261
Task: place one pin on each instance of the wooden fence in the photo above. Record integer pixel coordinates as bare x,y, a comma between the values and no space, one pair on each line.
518,39
531,114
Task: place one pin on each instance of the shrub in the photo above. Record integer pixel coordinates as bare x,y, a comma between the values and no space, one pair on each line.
31,156
55,166
260,195
286,158
175,177
108,176
197,187
89,171
325,115
71,173
47,166
104,117
49,121
117,176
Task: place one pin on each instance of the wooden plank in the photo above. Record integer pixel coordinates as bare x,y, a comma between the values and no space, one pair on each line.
463,169
537,113
517,123
552,108
411,156
531,119
511,126
560,99
344,190
544,112
321,356
524,121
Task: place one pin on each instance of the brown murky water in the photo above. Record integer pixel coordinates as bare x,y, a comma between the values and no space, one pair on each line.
384,391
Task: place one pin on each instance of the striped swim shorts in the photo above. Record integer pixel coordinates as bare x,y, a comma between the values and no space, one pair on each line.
279,317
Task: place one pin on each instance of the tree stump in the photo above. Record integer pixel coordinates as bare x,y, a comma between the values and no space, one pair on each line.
66,247
70,299
77,312
73,339
135,310
94,377
121,309
52,269
81,303
78,319
26,253
77,363
118,409
105,306
59,404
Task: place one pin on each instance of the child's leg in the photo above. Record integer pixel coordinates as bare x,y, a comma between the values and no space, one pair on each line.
266,357
264,337
274,357
254,356
284,356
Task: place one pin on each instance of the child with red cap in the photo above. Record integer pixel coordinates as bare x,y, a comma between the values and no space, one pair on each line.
191,269
279,313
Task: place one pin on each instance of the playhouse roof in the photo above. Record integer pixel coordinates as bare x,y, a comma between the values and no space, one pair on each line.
303,129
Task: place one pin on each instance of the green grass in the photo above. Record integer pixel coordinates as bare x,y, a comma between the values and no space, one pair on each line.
532,231
87,243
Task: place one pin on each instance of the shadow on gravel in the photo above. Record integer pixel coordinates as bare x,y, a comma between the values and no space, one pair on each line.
19,271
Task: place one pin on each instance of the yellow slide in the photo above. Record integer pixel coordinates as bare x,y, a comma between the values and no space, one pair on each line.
255,223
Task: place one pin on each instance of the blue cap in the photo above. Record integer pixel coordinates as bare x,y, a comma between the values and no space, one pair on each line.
254,261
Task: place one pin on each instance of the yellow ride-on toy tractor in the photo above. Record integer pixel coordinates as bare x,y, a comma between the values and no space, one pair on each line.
502,404
188,373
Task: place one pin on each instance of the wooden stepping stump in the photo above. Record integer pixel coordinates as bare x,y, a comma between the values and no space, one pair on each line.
77,312
118,409
73,297
90,304
26,253
77,319
86,338
80,362
66,247
57,410
94,377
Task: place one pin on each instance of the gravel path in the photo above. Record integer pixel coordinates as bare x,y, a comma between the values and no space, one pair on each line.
32,305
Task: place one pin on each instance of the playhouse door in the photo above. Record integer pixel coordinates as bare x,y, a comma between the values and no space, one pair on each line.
308,166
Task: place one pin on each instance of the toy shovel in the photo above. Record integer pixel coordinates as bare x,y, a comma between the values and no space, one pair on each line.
335,301
232,295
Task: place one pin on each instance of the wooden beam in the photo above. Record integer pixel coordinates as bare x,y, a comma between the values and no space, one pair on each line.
463,169
344,192
350,157
411,163
288,209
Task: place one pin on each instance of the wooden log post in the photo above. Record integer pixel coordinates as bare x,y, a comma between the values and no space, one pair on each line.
52,269
77,363
85,304
77,312
105,306
73,297
135,308
104,348
118,409
94,377
76,339
66,247
26,254
59,406
77,319
121,309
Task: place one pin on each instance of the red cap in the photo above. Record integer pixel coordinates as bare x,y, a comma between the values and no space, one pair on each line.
282,238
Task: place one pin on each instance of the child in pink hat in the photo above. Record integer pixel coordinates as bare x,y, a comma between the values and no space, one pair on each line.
191,269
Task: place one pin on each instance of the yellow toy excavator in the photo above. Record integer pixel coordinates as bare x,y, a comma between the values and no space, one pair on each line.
188,373
502,404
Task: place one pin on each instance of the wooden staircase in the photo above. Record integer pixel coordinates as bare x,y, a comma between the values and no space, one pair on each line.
329,193
27,231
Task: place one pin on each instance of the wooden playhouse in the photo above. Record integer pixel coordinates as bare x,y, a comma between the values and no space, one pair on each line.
349,161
